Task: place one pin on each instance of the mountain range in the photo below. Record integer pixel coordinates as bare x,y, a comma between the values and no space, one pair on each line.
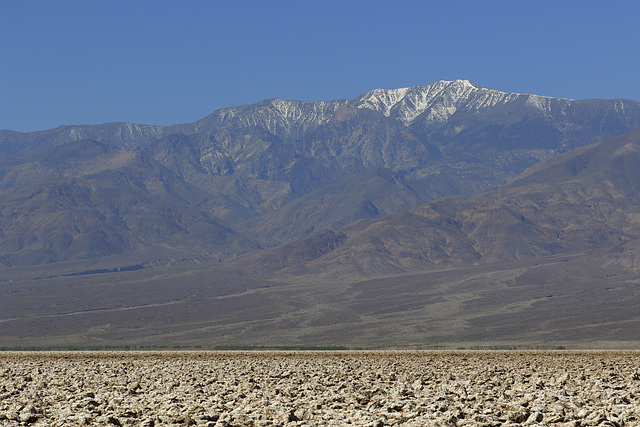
305,207
275,171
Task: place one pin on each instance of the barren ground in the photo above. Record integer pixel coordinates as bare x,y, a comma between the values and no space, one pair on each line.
320,388
550,303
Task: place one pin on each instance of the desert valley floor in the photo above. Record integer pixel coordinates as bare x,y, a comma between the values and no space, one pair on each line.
385,388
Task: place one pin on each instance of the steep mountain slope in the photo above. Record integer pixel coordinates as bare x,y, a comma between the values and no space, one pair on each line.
75,158
126,204
370,194
584,200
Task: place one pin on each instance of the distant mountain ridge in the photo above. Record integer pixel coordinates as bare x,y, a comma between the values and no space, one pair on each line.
439,101
270,173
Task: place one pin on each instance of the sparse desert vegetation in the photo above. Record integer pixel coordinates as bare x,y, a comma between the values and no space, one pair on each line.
483,388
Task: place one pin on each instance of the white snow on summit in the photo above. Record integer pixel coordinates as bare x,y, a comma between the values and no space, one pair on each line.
383,100
434,103
441,98
439,101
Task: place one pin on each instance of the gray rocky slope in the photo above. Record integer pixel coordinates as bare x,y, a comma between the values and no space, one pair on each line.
248,167
581,202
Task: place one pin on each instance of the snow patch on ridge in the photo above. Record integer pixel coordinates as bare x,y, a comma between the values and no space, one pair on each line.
383,100
278,116
439,101
442,99
435,103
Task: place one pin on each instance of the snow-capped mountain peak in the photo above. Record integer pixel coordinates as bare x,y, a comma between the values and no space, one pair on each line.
433,104
405,104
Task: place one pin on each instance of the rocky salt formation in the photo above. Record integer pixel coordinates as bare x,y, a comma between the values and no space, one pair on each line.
320,388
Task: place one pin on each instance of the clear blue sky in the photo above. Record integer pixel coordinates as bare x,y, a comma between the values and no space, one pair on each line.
165,62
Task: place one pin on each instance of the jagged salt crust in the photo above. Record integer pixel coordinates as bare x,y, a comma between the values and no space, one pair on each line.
317,388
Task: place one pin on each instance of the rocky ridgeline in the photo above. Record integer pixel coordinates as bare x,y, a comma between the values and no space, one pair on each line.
319,388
